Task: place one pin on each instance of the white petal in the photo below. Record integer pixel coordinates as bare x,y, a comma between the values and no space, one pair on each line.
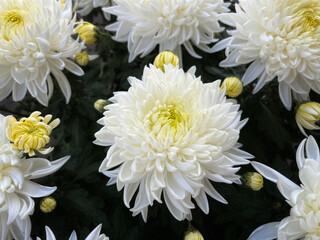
95,233
35,190
273,175
267,231
49,234
42,167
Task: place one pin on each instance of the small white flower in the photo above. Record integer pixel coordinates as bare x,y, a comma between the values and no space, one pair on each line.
304,219
144,24
17,188
36,44
86,6
281,38
171,134
94,235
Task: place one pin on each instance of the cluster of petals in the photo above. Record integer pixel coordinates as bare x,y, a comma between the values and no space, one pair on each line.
170,135
32,133
145,24
17,188
85,7
94,235
304,219
280,38
36,44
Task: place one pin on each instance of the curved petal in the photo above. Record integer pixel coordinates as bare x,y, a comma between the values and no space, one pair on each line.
35,190
273,176
267,231
312,149
95,233
73,236
49,234
14,207
300,158
42,167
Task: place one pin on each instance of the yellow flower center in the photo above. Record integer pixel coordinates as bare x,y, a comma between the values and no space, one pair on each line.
11,22
164,120
306,19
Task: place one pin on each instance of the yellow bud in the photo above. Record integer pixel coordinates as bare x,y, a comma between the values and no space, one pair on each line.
193,235
63,3
253,180
87,32
233,86
166,58
307,116
82,59
100,104
48,204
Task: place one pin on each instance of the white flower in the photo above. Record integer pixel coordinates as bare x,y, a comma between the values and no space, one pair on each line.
36,44
16,187
304,219
86,6
171,134
144,24
281,38
94,235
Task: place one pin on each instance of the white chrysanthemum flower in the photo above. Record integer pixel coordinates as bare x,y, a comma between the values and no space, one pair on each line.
304,219
36,44
281,38
16,187
170,134
144,24
86,6
94,235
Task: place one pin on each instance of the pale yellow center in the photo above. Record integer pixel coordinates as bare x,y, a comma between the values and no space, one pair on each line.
306,20
12,22
168,120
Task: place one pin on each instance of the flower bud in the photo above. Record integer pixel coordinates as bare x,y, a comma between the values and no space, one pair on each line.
193,235
87,32
100,104
233,86
253,180
307,116
82,59
166,58
48,204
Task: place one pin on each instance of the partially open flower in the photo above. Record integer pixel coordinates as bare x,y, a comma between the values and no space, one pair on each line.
307,116
32,133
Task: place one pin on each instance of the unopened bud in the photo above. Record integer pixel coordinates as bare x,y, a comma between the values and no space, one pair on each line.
48,204
82,59
166,58
193,235
308,116
233,86
87,32
253,180
100,104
